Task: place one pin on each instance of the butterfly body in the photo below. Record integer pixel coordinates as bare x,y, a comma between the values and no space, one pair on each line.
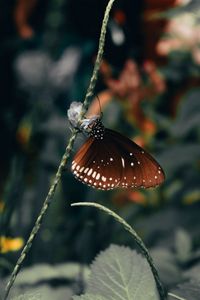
108,160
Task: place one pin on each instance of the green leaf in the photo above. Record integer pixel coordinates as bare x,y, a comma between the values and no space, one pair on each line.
188,290
193,273
89,297
188,115
183,245
169,271
33,282
121,273
28,296
44,272
41,292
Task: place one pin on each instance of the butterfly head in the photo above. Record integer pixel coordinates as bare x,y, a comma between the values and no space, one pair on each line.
93,127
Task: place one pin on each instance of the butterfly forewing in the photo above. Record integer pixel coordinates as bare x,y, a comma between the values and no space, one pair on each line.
115,161
97,164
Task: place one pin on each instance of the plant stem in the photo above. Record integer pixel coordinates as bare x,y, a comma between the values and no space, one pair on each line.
66,155
137,239
94,77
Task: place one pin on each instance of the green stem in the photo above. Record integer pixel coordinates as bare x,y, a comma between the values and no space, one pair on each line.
66,155
94,77
137,239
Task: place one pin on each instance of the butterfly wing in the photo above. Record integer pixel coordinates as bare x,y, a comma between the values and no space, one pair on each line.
139,168
98,164
115,161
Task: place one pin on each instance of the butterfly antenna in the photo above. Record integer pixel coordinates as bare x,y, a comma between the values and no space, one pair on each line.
101,113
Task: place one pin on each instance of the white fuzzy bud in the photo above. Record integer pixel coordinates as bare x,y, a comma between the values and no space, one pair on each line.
74,113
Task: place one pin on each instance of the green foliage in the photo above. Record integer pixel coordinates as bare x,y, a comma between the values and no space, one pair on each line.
188,290
188,116
89,297
45,292
167,265
28,296
183,245
45,272
121,273
48,282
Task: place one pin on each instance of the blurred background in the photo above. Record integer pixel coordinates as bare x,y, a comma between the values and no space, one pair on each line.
149,88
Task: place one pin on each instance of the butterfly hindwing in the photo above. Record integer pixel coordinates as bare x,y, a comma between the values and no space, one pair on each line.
140,169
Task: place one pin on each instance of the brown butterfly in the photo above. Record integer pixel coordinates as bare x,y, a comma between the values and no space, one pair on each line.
108,160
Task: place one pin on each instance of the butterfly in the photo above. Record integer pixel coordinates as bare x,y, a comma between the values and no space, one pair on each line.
109,160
